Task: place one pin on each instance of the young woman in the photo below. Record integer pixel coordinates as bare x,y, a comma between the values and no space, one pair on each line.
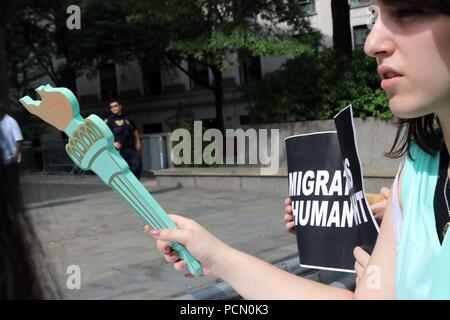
19,246
23,273
411,259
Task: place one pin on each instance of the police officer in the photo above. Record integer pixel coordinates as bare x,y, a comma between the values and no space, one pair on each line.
126,137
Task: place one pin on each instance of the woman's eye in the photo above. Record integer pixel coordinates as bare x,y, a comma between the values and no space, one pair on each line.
406,13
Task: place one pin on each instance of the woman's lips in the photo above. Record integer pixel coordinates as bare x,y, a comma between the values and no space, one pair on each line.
390,83
390,77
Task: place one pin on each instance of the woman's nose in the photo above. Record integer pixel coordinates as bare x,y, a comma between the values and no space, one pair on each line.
379,41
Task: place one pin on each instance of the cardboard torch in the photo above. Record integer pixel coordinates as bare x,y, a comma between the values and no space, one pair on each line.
91,147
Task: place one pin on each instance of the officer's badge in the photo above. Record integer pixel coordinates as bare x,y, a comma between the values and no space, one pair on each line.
119,123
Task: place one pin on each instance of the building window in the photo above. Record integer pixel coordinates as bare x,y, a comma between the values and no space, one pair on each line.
244,120
149,128
209,123
309,6
69,79
360,34
200,74
108,81
151,75
249,67
360,3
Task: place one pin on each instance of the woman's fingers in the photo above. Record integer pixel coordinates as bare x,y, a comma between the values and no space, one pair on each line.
161,245
287,201
172,257
181,234
288,210
180,265
169,255
288,218
361,256
290,225
177,235
385,192
362,259
181,222
359,270
378,208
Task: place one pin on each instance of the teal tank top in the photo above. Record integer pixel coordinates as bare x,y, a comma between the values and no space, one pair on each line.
423,264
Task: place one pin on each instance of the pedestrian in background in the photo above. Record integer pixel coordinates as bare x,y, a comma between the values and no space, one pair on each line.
127,139
10,143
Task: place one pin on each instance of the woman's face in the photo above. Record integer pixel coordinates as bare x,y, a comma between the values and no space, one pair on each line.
413,54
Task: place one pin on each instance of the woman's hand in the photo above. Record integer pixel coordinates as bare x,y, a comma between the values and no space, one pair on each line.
289,216
379,207
361,261
201,244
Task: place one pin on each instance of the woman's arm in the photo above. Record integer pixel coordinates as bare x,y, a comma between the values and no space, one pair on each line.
378,279
256,279
253,278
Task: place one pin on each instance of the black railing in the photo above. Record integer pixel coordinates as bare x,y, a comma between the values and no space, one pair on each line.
223,291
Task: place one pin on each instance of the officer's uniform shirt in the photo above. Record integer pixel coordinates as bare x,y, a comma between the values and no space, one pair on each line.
123,129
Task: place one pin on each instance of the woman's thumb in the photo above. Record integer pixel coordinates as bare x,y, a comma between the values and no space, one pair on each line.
172,234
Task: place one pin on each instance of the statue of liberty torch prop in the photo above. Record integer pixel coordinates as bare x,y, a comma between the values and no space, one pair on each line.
91,147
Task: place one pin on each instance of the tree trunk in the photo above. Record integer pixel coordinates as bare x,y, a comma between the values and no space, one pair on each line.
4,85
218,94
6,9
342,35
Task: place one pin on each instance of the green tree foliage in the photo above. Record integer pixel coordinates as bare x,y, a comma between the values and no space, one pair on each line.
38,44
208,32
317,86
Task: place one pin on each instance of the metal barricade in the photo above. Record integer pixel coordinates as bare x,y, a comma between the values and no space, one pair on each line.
154,151
223,291
55,158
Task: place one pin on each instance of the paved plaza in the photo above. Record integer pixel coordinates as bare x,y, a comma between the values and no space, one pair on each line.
82,222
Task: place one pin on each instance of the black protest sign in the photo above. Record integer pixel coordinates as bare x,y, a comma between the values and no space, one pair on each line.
328,226
366,223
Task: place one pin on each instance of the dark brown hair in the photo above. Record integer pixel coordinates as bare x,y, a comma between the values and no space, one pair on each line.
424,131
24,271
19,246
114,100
431,6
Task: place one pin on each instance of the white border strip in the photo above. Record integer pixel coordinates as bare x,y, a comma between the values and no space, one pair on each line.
360,167
309,134
325,268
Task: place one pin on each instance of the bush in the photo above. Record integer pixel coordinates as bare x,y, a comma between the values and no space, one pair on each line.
316,87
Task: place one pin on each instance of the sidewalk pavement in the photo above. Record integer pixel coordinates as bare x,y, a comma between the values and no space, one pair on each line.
82,222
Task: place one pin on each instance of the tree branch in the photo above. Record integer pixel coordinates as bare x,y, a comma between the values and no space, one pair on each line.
190,74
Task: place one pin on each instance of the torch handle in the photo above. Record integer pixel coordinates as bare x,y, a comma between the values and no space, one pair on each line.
91,148
134,193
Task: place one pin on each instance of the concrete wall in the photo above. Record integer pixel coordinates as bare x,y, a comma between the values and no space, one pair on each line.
373,136
277,185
